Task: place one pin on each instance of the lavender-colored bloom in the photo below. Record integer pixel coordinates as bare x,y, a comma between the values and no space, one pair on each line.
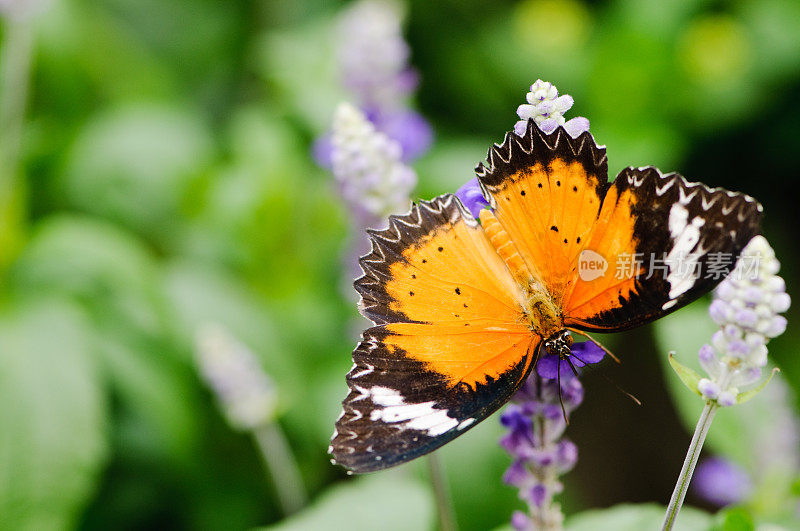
546,108
367,166
472,198
246,394
721,482
372,54
406,127
535,422
409,128
373,63
549,365
746,306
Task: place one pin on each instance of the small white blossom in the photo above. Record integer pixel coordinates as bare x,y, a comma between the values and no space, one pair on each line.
367,165
547,109
245,392
746,305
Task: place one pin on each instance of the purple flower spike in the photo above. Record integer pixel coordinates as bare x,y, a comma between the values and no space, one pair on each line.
408,128
521,522
322,151
536,423
721,482
746,306
471,196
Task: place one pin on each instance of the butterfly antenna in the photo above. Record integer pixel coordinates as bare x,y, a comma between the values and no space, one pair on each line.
561,398
596,342
612,382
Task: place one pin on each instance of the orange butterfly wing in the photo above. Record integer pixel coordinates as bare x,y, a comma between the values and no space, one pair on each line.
550,193
451,344
546,192
664,239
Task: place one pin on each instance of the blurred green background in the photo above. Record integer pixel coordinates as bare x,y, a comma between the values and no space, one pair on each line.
156,176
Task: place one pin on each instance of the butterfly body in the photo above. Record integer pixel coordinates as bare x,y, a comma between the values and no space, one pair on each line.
463,305
537,306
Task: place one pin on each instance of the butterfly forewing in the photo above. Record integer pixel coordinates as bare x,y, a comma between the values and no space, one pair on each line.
546,192
451,346
665,241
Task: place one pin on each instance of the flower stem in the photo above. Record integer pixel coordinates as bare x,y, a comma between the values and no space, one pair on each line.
16,54
282,467
693,454
441,492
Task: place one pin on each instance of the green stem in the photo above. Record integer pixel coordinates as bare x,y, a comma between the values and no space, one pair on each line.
16,55
685,477
441,492
15,64
282,467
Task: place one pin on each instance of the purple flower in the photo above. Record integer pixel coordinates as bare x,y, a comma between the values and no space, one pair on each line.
521,522
409,128
721,482
373,65
322,151
472,198
406,127
549,365
746,306
535,422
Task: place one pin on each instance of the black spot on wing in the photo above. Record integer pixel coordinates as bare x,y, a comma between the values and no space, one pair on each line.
404,231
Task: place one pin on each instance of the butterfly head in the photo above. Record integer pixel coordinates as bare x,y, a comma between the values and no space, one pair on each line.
560,344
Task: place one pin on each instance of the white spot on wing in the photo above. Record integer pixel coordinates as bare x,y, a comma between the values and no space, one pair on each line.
683,259
421,417
465,423
669,304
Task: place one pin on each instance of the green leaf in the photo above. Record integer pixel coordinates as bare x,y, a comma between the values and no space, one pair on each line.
135,164
105,267
637,517
734,519
52,413
688,376
387,501
747,395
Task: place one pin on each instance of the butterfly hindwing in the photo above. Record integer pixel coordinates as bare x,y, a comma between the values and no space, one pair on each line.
666,241
398,409
449,348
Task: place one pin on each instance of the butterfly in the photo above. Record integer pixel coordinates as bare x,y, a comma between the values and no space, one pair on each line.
463,307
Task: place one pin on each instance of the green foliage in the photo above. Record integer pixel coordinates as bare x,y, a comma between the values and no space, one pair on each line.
636,517
53,411
389,501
